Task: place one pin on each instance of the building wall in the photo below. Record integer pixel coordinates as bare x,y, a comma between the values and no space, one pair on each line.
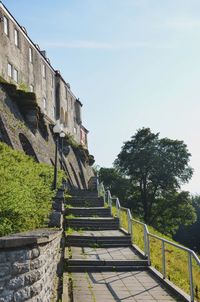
54,96
29,73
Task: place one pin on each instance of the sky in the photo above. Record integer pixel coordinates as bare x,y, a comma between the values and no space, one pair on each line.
133,64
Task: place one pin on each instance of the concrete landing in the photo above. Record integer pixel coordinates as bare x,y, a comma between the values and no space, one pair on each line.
98,233
135,286
89,253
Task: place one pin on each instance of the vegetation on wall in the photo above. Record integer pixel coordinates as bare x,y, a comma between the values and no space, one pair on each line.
81,151
25,191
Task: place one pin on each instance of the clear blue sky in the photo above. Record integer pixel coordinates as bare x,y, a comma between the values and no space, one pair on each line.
133,63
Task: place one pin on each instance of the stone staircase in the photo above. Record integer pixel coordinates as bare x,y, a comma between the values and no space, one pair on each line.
93,226
98,253
86,211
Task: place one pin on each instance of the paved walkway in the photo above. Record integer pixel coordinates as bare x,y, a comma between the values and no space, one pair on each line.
118,286
118,253
99,233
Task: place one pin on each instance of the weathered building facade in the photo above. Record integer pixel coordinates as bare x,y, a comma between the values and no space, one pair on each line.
25,65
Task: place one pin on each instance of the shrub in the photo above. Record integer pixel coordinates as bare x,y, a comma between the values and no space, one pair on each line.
25,191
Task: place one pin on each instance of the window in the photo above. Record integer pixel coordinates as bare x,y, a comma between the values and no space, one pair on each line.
9,70
30,55
16,37
66,93
31,88
6,25
44,104
15,75
43,71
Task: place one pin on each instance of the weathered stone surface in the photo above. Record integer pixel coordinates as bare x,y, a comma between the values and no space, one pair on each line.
19,255
16,282
20,268
2,257
4,269
27,272
34,253
22,294
55,219
32,277
37,263
7,297
36,289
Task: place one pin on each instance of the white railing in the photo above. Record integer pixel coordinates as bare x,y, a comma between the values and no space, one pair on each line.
146,238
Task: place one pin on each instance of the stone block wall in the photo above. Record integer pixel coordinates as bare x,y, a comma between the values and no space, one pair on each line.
28,265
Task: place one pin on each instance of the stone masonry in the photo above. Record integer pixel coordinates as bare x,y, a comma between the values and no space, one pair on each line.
28,265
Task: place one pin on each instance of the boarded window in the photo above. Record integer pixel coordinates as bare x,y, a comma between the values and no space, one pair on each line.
15,75
43,71
30,55
6,25
16,37
9,70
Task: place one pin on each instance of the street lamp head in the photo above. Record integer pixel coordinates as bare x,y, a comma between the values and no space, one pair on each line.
56,128
62,134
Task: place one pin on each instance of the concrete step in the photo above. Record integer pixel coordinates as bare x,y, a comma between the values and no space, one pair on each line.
85,202
93,223
104,268
101,241
99,245
89,212
86,193
80,262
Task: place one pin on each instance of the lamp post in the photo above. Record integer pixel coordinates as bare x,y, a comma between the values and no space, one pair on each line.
62,135
57,130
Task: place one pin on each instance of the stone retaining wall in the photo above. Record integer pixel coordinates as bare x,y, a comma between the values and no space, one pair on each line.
28,265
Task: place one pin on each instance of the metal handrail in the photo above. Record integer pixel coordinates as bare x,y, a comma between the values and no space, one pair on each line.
191,254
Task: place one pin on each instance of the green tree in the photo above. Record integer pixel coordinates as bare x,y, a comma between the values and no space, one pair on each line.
115,182
157,168
190,235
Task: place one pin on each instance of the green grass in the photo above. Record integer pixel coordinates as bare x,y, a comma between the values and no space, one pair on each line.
70,231
70,216
176,259
25,191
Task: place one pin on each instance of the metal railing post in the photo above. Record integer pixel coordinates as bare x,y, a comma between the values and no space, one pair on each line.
191,276
118,210
145,240
132,231
163,260
129,222
109,200
147,244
